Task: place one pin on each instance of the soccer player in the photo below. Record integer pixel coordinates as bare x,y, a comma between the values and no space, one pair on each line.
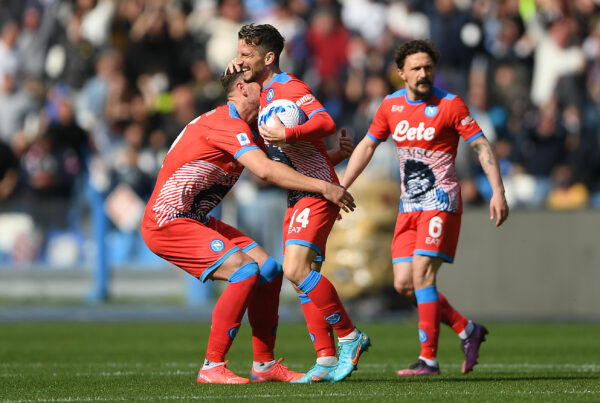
426,124
309,218
203,164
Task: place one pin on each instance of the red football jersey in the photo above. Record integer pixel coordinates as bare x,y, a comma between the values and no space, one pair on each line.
426,134
201,167
307,156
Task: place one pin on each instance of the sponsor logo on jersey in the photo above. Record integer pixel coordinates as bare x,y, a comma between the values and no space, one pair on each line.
467,121
404,132
397,108
431,111
243,139
270,94
305,100
216,245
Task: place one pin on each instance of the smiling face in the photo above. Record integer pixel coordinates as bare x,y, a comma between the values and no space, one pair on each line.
254,62
418,72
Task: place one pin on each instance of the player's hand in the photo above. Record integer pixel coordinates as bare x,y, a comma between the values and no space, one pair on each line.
274,135
346,145
235,65
498,208
340,196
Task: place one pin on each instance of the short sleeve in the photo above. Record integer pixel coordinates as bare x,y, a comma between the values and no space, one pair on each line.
379,129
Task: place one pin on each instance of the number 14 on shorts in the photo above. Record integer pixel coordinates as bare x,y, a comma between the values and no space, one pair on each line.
299,220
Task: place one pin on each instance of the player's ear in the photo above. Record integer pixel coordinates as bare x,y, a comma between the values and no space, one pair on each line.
401,74
241,86
270,58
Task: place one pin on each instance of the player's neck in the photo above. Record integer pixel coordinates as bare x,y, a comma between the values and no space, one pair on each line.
272,72
417,97
247,113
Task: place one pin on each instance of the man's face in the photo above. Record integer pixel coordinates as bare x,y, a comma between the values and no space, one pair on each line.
253,62
418,72
417,183
253,89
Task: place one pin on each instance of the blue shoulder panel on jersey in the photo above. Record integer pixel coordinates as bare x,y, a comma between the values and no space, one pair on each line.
282,78
427,294
233,111
374,138
474,137
316,111
243,150
441,94
218,263
399,93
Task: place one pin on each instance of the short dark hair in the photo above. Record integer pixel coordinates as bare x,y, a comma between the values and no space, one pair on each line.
228,80
416,46
265,37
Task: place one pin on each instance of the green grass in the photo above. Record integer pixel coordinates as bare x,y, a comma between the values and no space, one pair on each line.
60,362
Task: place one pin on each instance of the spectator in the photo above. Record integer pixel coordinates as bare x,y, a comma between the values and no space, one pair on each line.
555,56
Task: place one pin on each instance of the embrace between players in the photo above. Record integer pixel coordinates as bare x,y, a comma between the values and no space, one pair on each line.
208,157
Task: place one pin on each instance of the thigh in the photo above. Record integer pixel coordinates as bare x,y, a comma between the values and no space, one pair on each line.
308,224
403,243
243,241
194,247
437,234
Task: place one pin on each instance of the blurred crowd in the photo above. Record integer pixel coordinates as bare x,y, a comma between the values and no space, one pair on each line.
99,89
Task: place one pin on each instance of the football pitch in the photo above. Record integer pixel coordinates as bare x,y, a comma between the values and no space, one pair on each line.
107,362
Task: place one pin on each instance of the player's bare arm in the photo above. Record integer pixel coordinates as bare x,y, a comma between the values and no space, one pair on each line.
344,149
360,158
489,163
281,175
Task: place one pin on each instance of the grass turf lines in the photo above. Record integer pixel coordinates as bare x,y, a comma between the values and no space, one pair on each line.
100,362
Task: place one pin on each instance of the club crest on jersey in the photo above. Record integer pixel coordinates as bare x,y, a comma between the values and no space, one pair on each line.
334,318
233,332
270,94
431,111
216,245
243,139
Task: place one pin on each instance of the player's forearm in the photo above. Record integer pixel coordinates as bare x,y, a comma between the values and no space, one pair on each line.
358,162
489,164
281,175
318,126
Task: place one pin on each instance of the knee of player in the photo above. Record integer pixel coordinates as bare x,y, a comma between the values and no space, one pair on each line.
296,272
246,271
405,288
270,270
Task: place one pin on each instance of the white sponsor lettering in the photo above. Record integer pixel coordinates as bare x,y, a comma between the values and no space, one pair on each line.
432,241
397,108
307,99
405,132
467,121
